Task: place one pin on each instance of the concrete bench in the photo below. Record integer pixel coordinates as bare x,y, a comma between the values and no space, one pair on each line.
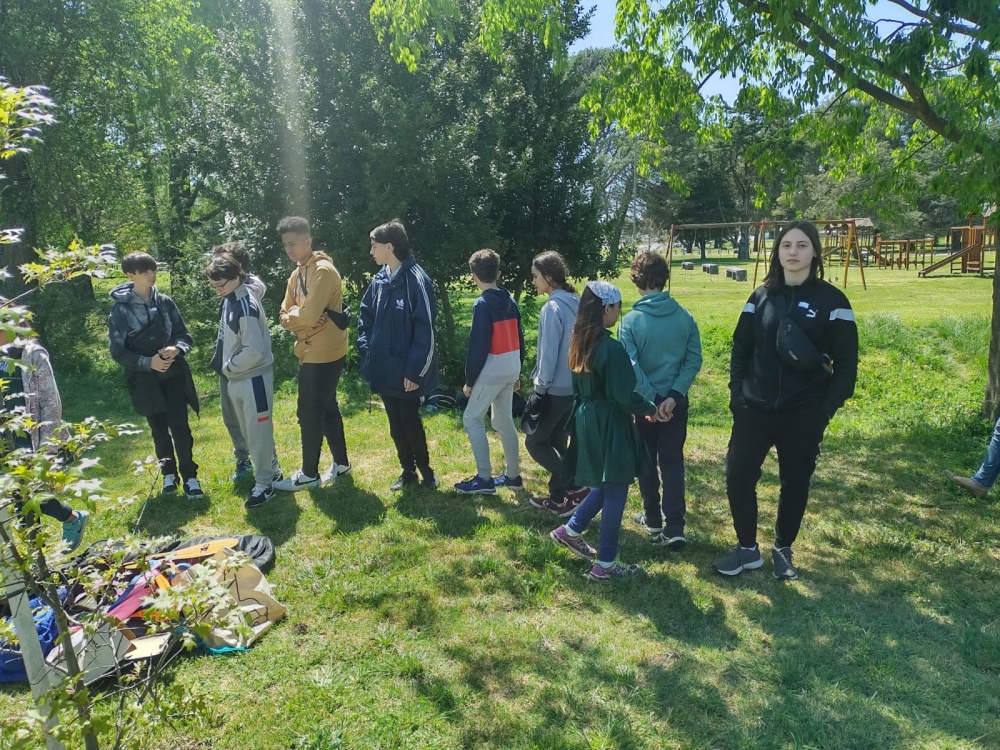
710,268
687,266
737,274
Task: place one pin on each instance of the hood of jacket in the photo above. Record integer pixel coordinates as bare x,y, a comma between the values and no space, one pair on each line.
659,305
499,301
567,300
125,294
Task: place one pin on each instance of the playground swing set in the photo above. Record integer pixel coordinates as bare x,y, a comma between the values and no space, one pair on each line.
854,241
845,242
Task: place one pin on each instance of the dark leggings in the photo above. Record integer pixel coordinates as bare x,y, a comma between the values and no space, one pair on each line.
548,443
796,435
319,414
407,430
171,431
665,442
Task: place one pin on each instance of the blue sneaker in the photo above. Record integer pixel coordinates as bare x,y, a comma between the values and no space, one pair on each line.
244,469
72,531
476,486
513,483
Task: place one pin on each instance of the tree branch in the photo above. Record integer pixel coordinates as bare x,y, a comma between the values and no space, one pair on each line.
959,28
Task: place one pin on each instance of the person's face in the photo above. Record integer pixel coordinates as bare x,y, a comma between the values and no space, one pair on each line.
796,251
541,284
298,246
381,252
611,313
222,287
142,279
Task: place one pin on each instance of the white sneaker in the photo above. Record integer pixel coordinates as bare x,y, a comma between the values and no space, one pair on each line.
170,483
334,473
297,481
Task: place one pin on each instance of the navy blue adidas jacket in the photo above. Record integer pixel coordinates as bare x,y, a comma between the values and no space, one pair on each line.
396,332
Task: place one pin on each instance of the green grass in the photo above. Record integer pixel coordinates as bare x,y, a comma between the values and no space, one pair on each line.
431,620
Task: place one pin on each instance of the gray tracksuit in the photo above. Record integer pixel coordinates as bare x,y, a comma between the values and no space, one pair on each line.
245,364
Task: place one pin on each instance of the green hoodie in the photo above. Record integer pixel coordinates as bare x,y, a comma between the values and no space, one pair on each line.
661,338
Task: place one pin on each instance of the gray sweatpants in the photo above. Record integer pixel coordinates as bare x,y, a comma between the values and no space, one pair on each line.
251,401
495,398
232,421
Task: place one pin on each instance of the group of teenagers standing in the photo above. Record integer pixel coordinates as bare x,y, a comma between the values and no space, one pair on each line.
603,412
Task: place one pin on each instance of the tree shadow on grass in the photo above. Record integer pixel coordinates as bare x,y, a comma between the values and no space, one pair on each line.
166,514
276,519
454,515
349,506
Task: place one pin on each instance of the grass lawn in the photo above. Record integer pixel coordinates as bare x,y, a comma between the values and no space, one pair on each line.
432,620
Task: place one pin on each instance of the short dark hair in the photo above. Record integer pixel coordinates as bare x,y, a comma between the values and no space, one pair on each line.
394,233
485,264
138,262
650,271
775,279
237,250
225,267
295,224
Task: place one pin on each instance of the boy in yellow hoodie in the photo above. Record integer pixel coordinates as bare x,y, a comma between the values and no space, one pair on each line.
313,296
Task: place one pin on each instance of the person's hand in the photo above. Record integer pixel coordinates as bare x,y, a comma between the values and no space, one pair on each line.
409,385
517,386
169,353
467,390
159,364
665,411
537,402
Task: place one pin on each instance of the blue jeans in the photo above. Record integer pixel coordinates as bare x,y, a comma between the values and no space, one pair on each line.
610,500
987,474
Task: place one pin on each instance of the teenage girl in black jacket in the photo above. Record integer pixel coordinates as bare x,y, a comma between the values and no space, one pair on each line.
784,390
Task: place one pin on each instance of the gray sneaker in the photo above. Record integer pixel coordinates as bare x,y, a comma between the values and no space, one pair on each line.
781,558
968,484
738,560
670,541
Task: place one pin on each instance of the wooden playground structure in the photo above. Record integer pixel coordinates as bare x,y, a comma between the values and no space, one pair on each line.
846,242
855,242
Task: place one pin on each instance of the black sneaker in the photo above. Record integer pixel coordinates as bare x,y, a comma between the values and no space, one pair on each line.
431,482
258,496
738,560
670,541
192,488
781,558
407,477
640,520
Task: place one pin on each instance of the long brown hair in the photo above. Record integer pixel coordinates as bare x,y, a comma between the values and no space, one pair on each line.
587,329
775,279
552,266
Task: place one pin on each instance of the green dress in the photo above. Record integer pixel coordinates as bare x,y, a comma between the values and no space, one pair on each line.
607,447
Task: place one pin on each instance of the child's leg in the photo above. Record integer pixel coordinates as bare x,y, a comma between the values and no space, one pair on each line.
413,428
180,431
590,507
649,485
310,414
254,400
231,420
611,523
547,445
400,437
55,509
503,423
162,444
475,412
670,450
333,420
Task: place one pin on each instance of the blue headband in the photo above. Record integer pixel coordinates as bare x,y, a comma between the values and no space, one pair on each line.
605,291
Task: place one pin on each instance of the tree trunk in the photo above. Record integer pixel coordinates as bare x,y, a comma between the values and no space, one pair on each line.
991,401
446,333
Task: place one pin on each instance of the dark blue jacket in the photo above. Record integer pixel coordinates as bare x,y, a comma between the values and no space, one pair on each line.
396,332
496,341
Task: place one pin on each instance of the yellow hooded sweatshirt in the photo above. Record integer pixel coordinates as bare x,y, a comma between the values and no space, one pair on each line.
314,287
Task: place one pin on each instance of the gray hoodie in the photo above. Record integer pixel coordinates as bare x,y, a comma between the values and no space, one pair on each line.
555,327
